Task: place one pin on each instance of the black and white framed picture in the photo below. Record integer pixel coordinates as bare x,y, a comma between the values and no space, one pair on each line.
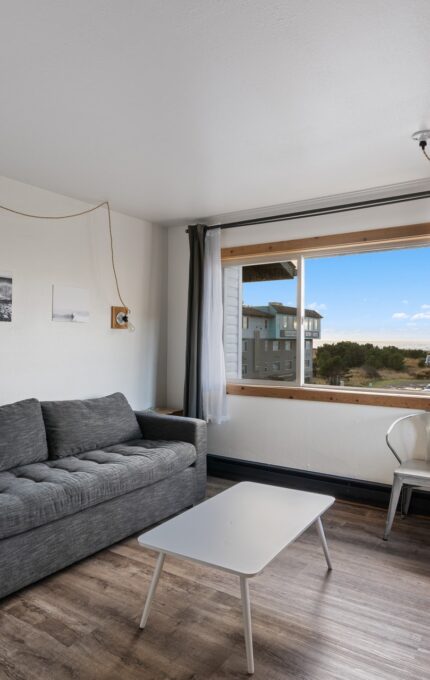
5,296
70,304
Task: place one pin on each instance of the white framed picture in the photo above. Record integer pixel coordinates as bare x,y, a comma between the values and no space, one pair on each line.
5,296
70,304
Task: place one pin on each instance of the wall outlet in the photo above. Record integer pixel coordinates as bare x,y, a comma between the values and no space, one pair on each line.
119,318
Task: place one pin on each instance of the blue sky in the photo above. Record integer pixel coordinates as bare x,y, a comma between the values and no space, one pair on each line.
382,297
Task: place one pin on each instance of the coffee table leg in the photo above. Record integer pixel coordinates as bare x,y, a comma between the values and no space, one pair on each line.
246,609
152,589
320,529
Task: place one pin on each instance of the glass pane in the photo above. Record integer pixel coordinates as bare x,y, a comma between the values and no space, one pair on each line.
269,336
373,323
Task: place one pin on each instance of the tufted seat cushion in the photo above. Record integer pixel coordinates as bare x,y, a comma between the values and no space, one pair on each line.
32,495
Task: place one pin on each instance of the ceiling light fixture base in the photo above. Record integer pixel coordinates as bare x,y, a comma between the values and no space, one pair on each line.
421,135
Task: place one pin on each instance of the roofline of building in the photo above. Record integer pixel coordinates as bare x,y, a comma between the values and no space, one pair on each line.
247,310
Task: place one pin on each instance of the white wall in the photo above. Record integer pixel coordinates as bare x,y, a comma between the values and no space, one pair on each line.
51,360
339,439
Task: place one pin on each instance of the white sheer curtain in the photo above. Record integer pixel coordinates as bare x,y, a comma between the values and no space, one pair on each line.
213,366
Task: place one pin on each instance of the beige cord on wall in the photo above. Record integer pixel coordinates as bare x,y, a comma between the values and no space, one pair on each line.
78,214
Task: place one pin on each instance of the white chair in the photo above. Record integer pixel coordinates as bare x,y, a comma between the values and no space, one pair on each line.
408,438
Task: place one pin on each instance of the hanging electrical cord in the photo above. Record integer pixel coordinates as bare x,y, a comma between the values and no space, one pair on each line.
78,214
422,137
423,145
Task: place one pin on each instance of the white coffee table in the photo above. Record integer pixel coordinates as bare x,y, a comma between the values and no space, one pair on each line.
241,530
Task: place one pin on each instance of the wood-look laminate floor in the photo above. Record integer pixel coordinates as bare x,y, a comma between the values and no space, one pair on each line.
369,619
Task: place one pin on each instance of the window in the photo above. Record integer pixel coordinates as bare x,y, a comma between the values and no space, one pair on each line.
376,326
377,323
245,322
270,314
366,313
288,365
244,369
245,345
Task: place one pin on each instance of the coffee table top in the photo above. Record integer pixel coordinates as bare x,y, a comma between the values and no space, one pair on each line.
241,529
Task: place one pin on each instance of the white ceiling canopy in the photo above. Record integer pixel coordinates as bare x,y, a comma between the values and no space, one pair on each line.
177,109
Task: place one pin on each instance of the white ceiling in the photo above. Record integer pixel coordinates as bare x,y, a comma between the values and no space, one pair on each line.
186,108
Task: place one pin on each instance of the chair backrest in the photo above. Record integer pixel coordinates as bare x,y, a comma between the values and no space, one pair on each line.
409,437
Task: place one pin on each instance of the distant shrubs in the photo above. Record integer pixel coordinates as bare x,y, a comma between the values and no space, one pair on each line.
370,372
332,362
414,353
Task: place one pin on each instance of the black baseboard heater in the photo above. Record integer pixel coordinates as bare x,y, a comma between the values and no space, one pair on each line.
346,488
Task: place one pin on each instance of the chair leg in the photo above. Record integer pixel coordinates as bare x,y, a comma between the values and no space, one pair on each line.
394,499
408,495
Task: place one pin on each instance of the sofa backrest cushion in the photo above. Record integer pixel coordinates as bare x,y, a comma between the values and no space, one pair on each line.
22,434
84,425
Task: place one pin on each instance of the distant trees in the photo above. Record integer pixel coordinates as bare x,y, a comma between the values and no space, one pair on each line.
333,362
414,353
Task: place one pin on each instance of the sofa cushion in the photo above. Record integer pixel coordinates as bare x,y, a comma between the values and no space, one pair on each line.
84,425
32,495
22,434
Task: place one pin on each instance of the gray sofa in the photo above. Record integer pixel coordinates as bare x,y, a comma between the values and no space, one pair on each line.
77,476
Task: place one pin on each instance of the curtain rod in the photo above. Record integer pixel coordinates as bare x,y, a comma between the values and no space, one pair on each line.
329,210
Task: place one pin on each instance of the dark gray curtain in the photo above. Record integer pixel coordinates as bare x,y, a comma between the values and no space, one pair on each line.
193,407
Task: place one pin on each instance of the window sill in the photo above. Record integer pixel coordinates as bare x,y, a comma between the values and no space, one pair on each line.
337,396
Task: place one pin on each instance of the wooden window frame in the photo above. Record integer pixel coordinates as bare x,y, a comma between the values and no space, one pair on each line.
353,242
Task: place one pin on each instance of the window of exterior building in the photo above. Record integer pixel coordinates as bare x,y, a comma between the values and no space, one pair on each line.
276,366
266,346
245,322
275,346
308,344
244,369
287,345
245,345
288,365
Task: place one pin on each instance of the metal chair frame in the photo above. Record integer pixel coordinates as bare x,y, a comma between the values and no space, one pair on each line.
404,477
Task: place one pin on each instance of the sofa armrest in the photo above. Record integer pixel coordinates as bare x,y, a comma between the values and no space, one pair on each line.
177,428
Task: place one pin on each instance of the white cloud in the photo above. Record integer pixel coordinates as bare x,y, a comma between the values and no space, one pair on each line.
400,315
317,307
405,302
425,306
420,315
